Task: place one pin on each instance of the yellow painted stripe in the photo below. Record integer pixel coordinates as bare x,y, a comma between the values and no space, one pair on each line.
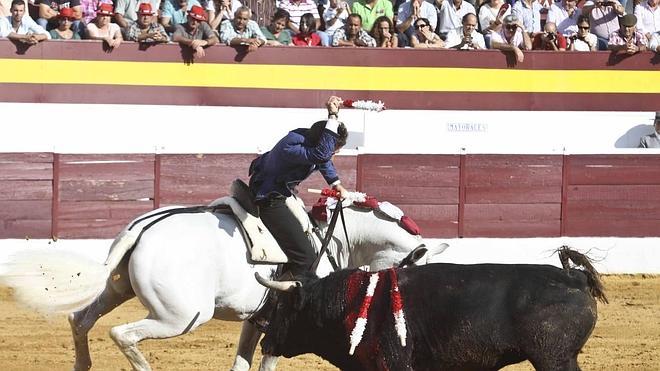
431,79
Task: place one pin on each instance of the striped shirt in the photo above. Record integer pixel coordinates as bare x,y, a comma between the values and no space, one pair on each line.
296,10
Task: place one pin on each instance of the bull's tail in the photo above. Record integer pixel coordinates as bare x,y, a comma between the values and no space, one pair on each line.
56,281
593,277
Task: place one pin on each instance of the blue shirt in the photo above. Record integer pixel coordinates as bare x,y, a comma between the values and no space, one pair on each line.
291,161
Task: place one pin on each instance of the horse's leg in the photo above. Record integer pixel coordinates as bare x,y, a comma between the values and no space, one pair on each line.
166,322
246,346
115,293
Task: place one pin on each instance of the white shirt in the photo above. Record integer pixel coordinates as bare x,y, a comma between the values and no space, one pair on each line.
655,41
426,10
330,13
27,26
531,17
455,37
516,40
488,15
452,18
582,46
565,25
648,20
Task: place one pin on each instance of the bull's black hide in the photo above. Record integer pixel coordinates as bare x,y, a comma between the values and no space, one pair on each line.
459,317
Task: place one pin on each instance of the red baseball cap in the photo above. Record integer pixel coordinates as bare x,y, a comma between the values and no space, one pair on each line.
66,13
197,12
145,9
105,9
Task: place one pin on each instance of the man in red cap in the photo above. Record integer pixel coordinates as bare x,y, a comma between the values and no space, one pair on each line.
196,33
126,12
145,30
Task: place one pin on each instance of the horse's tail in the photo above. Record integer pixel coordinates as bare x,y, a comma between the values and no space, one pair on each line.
596,287
56,281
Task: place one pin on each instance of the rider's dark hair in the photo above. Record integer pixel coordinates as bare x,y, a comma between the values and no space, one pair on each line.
314,133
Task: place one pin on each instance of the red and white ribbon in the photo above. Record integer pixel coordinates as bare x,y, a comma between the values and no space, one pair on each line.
368,105
397,308
361,322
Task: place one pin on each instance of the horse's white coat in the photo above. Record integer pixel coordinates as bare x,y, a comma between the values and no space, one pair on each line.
190,268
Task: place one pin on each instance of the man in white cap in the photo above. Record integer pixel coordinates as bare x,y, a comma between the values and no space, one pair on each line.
652,140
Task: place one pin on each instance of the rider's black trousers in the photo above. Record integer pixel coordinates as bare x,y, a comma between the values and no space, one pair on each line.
288,232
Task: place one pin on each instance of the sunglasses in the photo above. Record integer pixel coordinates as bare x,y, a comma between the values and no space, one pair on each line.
511,27
583,27
418,26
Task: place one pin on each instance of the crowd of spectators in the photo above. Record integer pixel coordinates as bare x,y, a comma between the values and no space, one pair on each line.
514,26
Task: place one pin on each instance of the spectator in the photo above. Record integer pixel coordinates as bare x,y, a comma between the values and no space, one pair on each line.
126,12
491,14
383,33
565,16
175,12
88,8
5,8
652,140
296,9
627,39
195,33
654,44
648,16
424,37
369,10
274,32
604,16
352,34
242,30
408,13
466,37
20,27
49,9
451,13
221,10
583,40
63,30
146,29
512,38
335,16
529,11
307,35
102,29
549,39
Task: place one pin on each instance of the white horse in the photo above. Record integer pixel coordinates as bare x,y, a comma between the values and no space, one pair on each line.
186,269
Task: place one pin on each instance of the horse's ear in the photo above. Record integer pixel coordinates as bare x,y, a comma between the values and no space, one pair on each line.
414,256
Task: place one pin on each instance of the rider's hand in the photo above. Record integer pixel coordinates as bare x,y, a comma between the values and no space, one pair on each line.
343,193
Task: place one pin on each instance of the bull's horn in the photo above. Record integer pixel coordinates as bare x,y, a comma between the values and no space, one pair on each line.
277,285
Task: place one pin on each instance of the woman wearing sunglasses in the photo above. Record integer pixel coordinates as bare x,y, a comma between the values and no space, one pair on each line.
424,36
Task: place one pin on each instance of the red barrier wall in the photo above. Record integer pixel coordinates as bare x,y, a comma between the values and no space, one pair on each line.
95,196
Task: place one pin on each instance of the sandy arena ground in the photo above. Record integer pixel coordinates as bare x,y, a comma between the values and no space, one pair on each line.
627,337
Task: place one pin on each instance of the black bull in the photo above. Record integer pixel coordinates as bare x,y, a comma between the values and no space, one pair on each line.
458,317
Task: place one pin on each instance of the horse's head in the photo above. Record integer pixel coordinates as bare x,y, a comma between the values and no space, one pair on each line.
379,241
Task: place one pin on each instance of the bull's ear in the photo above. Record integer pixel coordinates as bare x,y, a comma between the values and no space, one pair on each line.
414,256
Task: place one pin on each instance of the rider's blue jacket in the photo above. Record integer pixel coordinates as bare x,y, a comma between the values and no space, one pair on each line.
291,161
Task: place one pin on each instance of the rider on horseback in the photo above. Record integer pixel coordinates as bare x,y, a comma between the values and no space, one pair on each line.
275,174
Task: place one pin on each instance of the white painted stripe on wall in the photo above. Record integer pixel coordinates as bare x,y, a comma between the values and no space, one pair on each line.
104,128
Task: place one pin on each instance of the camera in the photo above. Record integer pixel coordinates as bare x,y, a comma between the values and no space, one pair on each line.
551,36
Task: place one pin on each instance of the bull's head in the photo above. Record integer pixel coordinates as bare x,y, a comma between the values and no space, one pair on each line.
286,286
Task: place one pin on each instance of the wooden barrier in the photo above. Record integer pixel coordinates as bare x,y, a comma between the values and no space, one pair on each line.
95,196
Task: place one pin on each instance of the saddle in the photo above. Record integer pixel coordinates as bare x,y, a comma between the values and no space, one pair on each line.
262,246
